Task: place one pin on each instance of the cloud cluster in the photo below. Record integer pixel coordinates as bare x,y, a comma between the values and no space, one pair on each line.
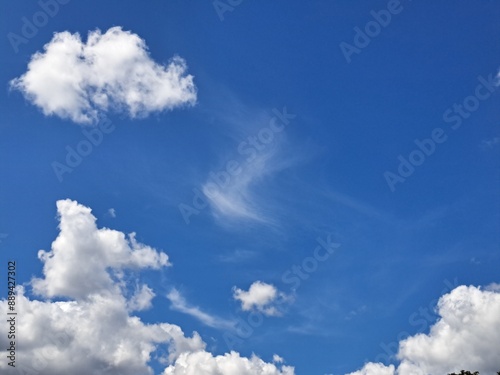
465,337
260,297
88,337
90,329
111,71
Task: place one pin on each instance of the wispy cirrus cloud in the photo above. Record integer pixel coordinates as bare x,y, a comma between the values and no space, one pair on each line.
237,256
180,304
237,192
237,199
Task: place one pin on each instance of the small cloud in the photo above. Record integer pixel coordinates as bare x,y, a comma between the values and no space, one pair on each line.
112,212
261,297
490,143
353,313
277,359
82,81
493,287
3,236
475,261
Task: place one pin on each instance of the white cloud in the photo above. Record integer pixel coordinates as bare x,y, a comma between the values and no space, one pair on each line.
465,337
494,287
261,297
87,337
112,212
490,143
111,71
237,190
235,197
375,369
92,331
78,269
277,359
204,363
179,303
353,313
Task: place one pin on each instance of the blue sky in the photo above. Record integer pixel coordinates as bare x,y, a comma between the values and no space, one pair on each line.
306,140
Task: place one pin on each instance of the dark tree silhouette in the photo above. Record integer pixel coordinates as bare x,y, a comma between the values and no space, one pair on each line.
463,372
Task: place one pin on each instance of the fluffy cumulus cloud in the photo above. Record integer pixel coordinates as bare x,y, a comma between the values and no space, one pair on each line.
204,363
464,337
112,71
88,337
85,260
83,323
261,297
375,369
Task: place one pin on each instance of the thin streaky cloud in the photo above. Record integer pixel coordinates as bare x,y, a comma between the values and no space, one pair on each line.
180,304
237,256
